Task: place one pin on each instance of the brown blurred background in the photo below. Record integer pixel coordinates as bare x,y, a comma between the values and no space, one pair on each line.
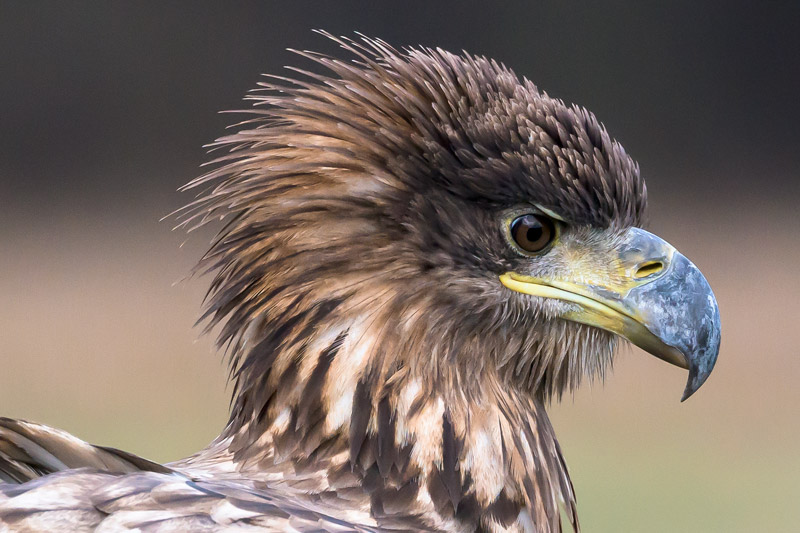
105,107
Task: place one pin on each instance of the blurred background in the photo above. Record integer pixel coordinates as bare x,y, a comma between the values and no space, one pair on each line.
105,107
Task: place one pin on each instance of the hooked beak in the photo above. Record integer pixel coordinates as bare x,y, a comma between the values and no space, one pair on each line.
657,299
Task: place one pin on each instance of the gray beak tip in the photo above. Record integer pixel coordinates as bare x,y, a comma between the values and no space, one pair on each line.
702,362
698,373
695,381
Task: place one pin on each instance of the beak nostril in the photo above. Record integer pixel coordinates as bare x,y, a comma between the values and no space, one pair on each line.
649,268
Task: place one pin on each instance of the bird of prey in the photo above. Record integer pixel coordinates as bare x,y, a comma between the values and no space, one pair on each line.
420,251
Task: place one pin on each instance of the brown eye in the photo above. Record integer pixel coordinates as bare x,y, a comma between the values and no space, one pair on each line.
532,233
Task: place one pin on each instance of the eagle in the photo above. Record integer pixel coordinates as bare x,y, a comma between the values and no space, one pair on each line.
418,252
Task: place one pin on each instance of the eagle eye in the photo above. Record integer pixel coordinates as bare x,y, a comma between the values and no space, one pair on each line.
532,233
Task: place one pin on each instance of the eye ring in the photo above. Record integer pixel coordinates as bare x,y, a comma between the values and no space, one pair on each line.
532,233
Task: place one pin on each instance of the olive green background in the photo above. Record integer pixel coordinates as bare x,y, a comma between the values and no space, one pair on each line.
105,106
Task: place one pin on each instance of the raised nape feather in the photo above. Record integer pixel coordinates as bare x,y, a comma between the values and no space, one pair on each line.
383,379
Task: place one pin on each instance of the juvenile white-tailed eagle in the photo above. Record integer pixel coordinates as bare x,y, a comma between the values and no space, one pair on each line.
420,250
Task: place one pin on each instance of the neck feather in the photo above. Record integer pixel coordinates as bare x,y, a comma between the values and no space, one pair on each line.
359,413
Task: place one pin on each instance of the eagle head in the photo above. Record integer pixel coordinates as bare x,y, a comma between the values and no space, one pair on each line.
416,229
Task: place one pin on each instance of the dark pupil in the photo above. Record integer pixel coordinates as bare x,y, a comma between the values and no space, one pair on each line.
535,232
